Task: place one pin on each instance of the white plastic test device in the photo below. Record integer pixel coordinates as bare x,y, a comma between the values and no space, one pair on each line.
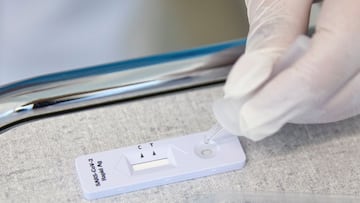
157,163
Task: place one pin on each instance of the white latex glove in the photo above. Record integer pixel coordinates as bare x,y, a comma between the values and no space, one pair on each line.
322,86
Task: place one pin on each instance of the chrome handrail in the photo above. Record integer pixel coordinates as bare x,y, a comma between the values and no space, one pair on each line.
82,88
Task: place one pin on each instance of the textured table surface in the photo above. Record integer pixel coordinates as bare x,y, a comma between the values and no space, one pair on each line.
37,159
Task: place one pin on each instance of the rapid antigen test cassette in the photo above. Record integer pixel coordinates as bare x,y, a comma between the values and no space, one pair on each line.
157,163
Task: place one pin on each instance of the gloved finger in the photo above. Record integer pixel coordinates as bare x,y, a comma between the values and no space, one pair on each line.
314,80
274,24
344,104
227,110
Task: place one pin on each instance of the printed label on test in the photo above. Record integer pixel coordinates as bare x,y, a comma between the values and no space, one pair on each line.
157,163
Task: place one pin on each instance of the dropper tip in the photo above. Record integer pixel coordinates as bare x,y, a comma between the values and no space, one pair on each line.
213,132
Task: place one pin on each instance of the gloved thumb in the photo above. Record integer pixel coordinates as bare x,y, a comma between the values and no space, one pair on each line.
274,25
227,110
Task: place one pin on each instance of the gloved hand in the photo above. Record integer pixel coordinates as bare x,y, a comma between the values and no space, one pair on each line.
322,86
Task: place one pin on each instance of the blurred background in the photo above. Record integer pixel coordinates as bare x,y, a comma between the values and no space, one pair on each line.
38,37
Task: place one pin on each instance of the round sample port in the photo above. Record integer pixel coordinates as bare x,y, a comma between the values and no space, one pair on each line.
206,151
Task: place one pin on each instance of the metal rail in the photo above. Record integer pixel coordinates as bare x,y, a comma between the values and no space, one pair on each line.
79,89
